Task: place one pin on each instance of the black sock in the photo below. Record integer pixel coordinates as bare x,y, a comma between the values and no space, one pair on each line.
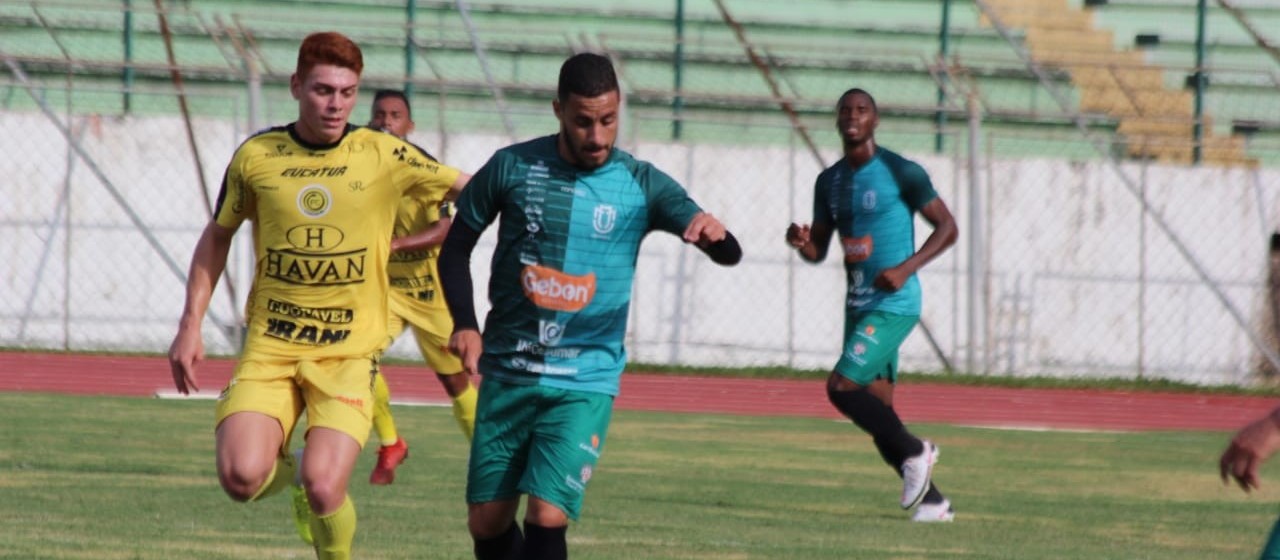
890,453
507,546
870,413
933,496
545,543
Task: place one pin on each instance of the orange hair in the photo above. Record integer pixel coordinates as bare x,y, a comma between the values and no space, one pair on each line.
329,47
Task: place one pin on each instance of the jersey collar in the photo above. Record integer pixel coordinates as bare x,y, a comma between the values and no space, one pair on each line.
293,133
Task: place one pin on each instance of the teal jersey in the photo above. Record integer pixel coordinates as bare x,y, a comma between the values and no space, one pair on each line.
560,285
871,209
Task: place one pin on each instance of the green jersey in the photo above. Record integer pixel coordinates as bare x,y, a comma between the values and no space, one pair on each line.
560,286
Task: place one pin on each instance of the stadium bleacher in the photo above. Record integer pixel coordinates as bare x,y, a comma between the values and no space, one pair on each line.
816,50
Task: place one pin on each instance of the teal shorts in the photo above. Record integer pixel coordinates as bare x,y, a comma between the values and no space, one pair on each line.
871,342
536,440
1271,551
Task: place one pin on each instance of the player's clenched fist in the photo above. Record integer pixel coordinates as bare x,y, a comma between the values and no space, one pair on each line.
798,235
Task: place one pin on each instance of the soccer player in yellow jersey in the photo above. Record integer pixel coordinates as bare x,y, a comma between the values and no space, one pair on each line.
416,301
322,196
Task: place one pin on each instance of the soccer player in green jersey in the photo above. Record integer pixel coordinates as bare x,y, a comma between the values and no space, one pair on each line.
416,301
573,210
1243,458
869,198
322,195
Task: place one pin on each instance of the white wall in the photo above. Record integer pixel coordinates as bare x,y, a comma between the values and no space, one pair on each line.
1066,245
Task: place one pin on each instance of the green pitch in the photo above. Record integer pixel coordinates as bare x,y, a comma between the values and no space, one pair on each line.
107,478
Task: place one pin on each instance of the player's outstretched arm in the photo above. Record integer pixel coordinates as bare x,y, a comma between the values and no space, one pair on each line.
705,231
207,263
1249,449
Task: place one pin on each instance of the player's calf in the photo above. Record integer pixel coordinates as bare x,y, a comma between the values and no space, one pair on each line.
509,545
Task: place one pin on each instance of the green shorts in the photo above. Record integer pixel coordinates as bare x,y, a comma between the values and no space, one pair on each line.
871,342
1271,551
536,440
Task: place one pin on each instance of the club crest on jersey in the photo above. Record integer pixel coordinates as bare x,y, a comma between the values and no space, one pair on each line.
604,218
314,201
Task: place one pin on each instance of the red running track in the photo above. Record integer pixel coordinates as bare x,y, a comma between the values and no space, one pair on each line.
916,401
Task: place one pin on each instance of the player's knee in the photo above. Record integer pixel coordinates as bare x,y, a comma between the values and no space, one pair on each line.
454,384
239,485
847,397
326,493
489,520
859,404
545,514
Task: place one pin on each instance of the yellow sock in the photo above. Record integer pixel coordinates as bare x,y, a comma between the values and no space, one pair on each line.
464,410
334,533
281,476
383,423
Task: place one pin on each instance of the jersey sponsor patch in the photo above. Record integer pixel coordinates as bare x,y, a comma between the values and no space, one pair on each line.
314,270
856,249
315,238
331,315
551,289
306,335
549,332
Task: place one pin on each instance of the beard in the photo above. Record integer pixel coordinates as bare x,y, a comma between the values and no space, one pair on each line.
578,151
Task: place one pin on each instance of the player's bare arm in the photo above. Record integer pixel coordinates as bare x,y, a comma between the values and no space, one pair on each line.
943,236
810,241
1249,449
456,188
207,264
433,236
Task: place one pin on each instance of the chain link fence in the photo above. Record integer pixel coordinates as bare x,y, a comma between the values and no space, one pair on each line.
1079,268
1069,264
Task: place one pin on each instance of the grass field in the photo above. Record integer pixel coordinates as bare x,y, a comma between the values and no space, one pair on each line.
128,478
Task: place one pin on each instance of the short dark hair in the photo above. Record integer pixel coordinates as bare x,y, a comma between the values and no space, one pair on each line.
586,75
398,94
859,91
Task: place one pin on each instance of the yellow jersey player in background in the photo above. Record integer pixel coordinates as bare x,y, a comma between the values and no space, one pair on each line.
416,301
322,196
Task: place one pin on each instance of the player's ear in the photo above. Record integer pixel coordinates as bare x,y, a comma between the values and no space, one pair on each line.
555,106
295,86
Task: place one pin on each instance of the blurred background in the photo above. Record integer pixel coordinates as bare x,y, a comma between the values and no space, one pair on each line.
1114,165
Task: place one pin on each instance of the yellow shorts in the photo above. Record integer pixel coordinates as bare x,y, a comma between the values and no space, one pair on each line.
431,328
337,393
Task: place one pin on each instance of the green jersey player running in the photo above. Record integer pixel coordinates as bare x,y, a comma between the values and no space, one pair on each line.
573,212
869,198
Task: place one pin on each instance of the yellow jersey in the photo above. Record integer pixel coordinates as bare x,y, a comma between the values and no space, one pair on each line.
413,273
322,225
